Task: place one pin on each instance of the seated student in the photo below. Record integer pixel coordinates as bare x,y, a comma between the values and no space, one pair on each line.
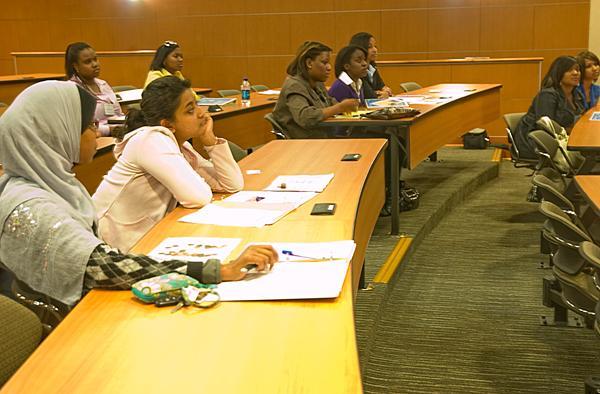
47,236
558,99
350,67
156,167
589,65
303,101
374,85
82,67
168,60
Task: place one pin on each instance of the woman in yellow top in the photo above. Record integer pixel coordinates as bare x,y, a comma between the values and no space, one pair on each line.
168,60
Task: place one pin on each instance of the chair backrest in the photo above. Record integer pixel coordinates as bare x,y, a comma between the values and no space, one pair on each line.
591,253
563,225
548,147
20,334
278,130
237,152
513,119
553,192
228,92
122,88
410,86
259,88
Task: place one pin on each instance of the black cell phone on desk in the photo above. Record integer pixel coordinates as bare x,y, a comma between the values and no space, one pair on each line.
325,208
351,157
214,108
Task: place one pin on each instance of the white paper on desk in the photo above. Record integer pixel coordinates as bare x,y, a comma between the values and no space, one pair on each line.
270,91
130,95
221,215
290,280
595,116
300,183
194,248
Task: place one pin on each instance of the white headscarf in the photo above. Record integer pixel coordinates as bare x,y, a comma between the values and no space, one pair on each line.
40,136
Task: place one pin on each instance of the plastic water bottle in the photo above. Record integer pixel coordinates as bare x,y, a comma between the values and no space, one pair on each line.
245,88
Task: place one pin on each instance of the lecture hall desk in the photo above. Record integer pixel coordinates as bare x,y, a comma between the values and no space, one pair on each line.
12,85
111,343
585,138
468,106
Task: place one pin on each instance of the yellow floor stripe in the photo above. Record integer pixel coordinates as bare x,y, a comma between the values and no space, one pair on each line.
393,261
497,156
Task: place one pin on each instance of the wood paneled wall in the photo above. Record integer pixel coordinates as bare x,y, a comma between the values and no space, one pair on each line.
226,40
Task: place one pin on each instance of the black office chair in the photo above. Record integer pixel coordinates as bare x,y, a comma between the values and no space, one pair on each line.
277,129
551,153
122,88
572,287
512,120
237,152
20,334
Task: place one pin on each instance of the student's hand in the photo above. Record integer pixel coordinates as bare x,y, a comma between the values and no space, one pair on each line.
206,135
348,105
387,90
382,94
263,256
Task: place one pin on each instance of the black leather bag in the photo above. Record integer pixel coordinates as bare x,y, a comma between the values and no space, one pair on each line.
391,113
476,139
409,198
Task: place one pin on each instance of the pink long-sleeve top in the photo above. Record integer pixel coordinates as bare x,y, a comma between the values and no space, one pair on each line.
151,175
107,105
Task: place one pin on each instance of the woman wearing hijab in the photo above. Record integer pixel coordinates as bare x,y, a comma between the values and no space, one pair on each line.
47,226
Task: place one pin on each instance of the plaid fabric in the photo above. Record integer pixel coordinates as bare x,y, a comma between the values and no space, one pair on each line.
110,269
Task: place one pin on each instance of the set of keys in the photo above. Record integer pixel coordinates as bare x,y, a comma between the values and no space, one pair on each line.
189,296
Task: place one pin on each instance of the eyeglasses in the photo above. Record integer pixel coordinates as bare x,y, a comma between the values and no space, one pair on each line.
169,44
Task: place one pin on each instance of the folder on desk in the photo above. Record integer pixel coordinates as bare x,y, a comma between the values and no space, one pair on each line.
216,100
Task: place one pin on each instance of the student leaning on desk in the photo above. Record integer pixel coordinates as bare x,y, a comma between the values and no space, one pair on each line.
47,237
303,102
156,167
83,68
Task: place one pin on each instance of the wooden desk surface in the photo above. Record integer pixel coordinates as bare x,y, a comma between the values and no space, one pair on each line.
585,135
19,78
111,343
470,106
589,185
245,126
466,60
257,101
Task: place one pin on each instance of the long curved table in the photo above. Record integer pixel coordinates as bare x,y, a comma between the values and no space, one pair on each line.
111,343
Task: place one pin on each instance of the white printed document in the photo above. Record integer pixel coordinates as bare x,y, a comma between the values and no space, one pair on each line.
304,271
300,183
194,248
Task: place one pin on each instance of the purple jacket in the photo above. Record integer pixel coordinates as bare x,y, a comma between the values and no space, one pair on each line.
341,91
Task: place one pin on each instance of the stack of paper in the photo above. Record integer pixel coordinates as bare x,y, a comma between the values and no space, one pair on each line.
269,92
249,208
304,271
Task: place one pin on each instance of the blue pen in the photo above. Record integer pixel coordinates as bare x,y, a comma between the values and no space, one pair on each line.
290,253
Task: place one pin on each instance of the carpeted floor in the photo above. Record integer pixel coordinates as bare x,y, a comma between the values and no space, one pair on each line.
463,315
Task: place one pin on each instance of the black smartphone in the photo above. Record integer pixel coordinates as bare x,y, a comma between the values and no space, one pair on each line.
324,208
351,157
